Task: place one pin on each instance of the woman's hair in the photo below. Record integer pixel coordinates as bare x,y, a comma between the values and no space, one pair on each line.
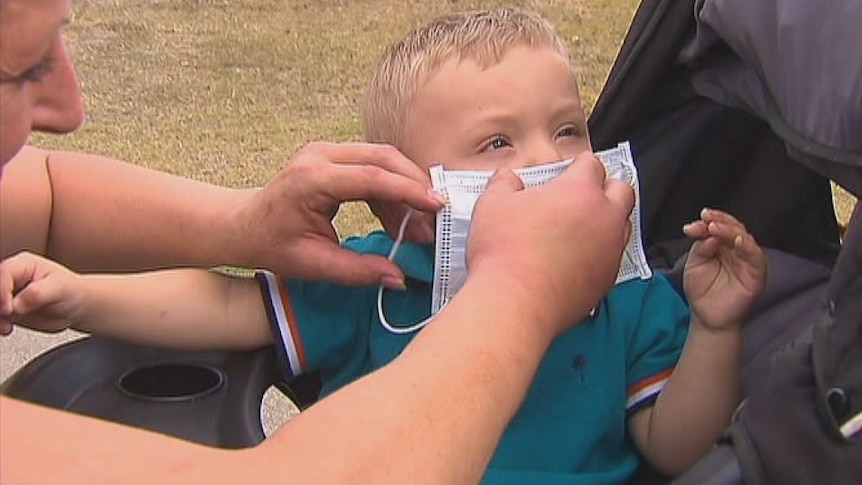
483,37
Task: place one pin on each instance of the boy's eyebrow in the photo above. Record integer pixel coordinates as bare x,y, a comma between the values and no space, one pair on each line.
491,120
568,106
570,111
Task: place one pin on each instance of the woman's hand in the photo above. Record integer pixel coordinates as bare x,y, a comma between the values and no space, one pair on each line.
287,225
557,246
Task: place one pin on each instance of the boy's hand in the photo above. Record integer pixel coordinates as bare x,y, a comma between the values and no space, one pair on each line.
725,271
38,293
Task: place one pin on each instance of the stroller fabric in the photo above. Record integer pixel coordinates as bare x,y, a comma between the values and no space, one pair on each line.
794,63
753,107
804,425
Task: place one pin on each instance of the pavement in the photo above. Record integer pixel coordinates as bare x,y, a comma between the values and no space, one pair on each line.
23,345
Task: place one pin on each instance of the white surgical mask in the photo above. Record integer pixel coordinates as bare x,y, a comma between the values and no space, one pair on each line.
462,188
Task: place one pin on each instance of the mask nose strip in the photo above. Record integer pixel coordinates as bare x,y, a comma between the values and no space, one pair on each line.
392,252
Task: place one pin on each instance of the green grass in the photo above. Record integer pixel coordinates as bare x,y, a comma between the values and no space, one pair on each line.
228,90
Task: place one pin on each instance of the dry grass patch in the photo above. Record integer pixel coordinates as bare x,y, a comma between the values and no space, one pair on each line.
228,90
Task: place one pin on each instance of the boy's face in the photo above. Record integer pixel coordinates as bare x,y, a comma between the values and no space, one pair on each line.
523,111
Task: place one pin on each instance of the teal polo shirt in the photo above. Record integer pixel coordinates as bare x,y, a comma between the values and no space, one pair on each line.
571,428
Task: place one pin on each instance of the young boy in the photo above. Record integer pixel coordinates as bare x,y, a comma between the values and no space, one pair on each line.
479,91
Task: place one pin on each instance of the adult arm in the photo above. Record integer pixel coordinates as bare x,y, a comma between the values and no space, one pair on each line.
97,213
433,415
437,413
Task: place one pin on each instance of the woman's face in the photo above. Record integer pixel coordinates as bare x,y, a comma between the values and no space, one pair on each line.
38,85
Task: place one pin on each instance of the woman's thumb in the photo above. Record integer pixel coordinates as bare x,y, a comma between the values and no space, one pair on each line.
504,180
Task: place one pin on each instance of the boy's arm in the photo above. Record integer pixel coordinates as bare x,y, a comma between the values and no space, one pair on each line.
724,274
695,405
184,309
189,309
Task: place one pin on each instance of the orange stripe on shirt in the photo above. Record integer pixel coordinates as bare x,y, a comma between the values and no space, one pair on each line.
292,324
643,384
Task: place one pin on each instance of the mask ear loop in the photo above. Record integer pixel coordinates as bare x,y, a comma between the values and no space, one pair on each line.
395,247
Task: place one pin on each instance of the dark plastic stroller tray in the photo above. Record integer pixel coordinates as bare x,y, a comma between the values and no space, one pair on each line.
212,398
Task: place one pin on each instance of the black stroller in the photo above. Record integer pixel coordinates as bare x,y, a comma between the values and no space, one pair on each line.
751,106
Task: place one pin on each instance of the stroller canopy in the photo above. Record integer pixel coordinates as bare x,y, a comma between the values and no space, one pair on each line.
749,106
794,63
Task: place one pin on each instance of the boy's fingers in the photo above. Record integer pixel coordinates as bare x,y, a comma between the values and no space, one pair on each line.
35,295
715,215
706,248
6,289
748,249
695,230
727,233
15,272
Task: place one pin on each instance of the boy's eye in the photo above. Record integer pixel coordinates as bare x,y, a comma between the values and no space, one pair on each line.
37,72
497,143
567,132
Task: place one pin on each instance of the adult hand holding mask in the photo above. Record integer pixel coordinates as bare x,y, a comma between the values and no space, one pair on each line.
575,261
463,188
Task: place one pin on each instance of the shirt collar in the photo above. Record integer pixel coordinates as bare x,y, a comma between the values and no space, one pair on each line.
416,261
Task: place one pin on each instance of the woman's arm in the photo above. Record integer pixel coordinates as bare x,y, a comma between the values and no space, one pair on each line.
433,415
436,414
95,213
25,204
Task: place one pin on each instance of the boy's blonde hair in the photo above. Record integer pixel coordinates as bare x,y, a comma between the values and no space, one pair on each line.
483,37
